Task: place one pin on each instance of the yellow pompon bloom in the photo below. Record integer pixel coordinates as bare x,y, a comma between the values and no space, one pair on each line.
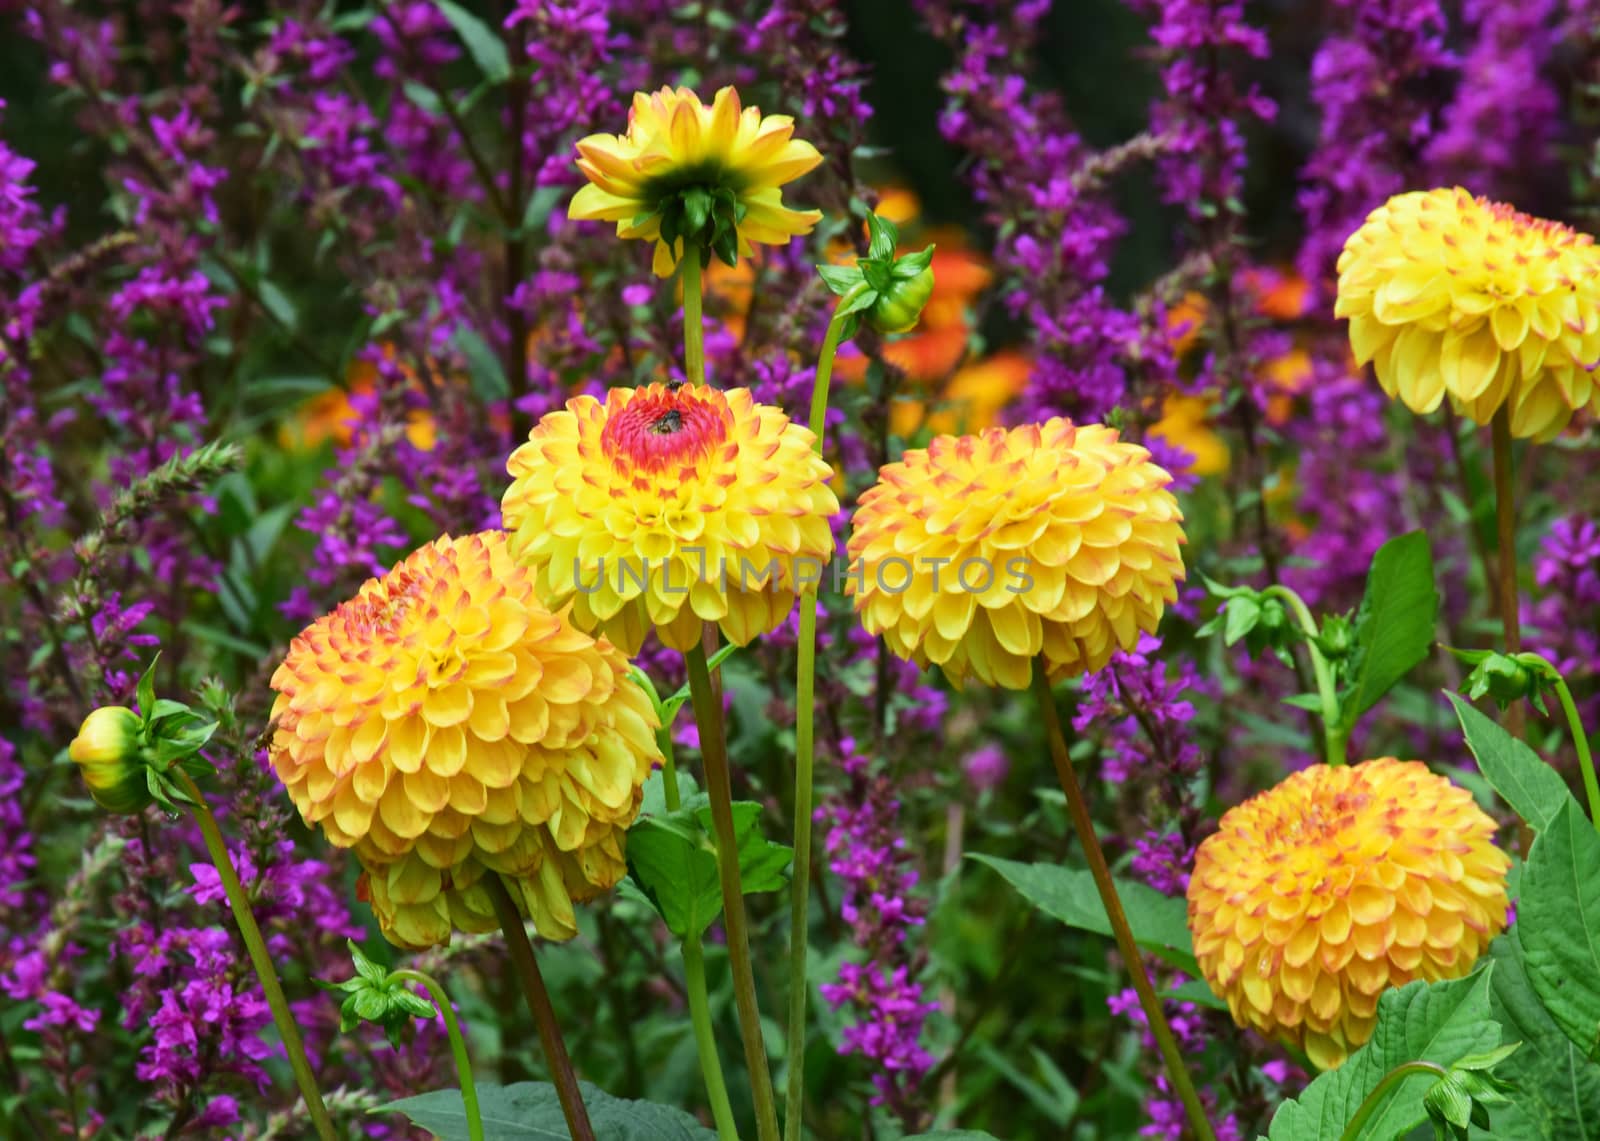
445,724
1318,895
671,506
979,553
675,146
1451,295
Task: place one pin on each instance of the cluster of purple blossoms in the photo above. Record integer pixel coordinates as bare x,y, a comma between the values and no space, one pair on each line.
867,850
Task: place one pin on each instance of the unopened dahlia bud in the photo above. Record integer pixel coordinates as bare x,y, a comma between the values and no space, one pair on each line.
1316,896
885,291
107,752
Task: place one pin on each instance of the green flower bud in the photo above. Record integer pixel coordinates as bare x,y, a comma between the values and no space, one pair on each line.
107,751
900,305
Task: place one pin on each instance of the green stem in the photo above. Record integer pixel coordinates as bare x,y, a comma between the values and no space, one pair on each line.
804,764
719,787
458,1045
544,1014
1078,809
694,343
266,973
694,966
1352,1132
1580,739
1333,735
705,1039
1505,516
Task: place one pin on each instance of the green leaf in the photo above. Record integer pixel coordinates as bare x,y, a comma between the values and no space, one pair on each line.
952,1135
1558,924
1240,618
672,857
486,48
484,369
541,204
1531,787
365,967
841,279
1394,625
1557,1091
1160,923
145,692
1441,1023
532,1110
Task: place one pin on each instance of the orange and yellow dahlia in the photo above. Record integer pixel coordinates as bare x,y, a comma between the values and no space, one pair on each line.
979,553
686,171
1451,295
671,506
446,725
1316,896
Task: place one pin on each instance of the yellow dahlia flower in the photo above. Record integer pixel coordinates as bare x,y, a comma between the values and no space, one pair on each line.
979,553
1318,895
685,171
1451,295
671,505
445,724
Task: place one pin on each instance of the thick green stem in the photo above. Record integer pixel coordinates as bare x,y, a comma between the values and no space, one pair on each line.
1400,1073
694,335
1078,809
705,1038
719,787
266,973
1333,734
458,1045
1505,516
694,967
804,764
544,1014
1580,739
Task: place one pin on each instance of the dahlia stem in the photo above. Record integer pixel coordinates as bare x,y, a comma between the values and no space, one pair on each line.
719,787
1505,515
1400,1073
544,1014
1078,809
1580,739
804,764
694,342
705,1039
266,973
458,1044
1333,735
694,965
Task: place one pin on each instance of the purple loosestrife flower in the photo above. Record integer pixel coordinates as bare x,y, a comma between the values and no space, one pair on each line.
1364,80
1202,164
865,850
1563,622
1506,111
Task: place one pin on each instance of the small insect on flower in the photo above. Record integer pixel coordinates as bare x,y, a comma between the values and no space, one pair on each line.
980,553
1316,896
1454,296
446,725
692,177
670,506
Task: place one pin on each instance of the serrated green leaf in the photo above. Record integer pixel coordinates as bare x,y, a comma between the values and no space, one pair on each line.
1557,1090
1558,925
486,49
1528,784
1160,923
1418,1022
1394,626
531,1111
672,858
